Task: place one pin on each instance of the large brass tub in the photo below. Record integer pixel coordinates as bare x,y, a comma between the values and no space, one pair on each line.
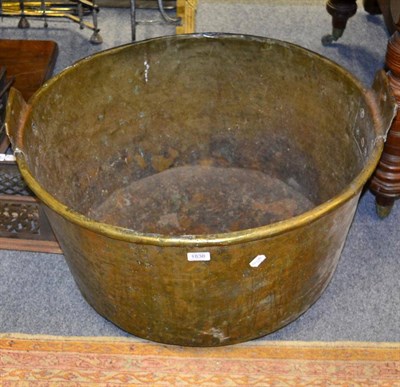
214,101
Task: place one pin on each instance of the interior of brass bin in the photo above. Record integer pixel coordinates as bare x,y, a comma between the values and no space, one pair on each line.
196,146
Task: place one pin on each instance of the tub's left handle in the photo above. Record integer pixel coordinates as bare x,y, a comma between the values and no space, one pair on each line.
16,114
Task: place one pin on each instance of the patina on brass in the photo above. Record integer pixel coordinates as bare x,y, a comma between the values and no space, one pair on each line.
223,100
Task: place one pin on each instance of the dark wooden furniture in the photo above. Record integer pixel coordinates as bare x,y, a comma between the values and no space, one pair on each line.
30,61
23,225
342,10
385,183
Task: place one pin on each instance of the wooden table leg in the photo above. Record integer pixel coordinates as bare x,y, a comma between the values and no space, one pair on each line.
372,7
341,11
385,183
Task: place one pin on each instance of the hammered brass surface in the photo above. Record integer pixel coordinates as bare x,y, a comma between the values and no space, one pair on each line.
219,100
156,293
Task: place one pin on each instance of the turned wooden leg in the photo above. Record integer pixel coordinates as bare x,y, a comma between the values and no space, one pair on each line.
385,183
341,11
372,7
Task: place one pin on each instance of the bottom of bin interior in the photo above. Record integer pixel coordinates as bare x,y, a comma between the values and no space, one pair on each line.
202,200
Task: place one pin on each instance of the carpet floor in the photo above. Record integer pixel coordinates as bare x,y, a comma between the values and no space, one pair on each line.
72,361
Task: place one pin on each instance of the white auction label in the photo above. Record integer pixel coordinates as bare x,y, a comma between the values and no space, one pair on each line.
257,261
199,256
4,157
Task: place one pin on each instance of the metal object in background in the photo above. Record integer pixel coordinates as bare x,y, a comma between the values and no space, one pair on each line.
239,102
162,9
75,10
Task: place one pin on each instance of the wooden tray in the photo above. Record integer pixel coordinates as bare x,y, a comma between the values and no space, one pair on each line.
30,61
23,224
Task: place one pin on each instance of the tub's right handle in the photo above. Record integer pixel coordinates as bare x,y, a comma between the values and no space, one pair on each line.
387,105
16,114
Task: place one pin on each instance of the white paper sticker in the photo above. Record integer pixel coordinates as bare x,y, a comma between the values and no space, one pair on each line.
199,256
4,157
257,261
9,158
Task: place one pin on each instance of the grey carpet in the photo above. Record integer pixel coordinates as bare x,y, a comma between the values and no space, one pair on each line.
362,303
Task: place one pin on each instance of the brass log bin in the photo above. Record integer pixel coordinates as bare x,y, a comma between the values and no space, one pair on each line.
201,107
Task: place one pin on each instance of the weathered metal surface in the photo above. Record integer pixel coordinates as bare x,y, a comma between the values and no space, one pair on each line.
284,116
201,200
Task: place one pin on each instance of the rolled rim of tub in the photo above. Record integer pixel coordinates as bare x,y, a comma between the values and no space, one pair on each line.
228,238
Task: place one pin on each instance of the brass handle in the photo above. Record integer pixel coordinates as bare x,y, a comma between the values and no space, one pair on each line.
16,114
386,102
